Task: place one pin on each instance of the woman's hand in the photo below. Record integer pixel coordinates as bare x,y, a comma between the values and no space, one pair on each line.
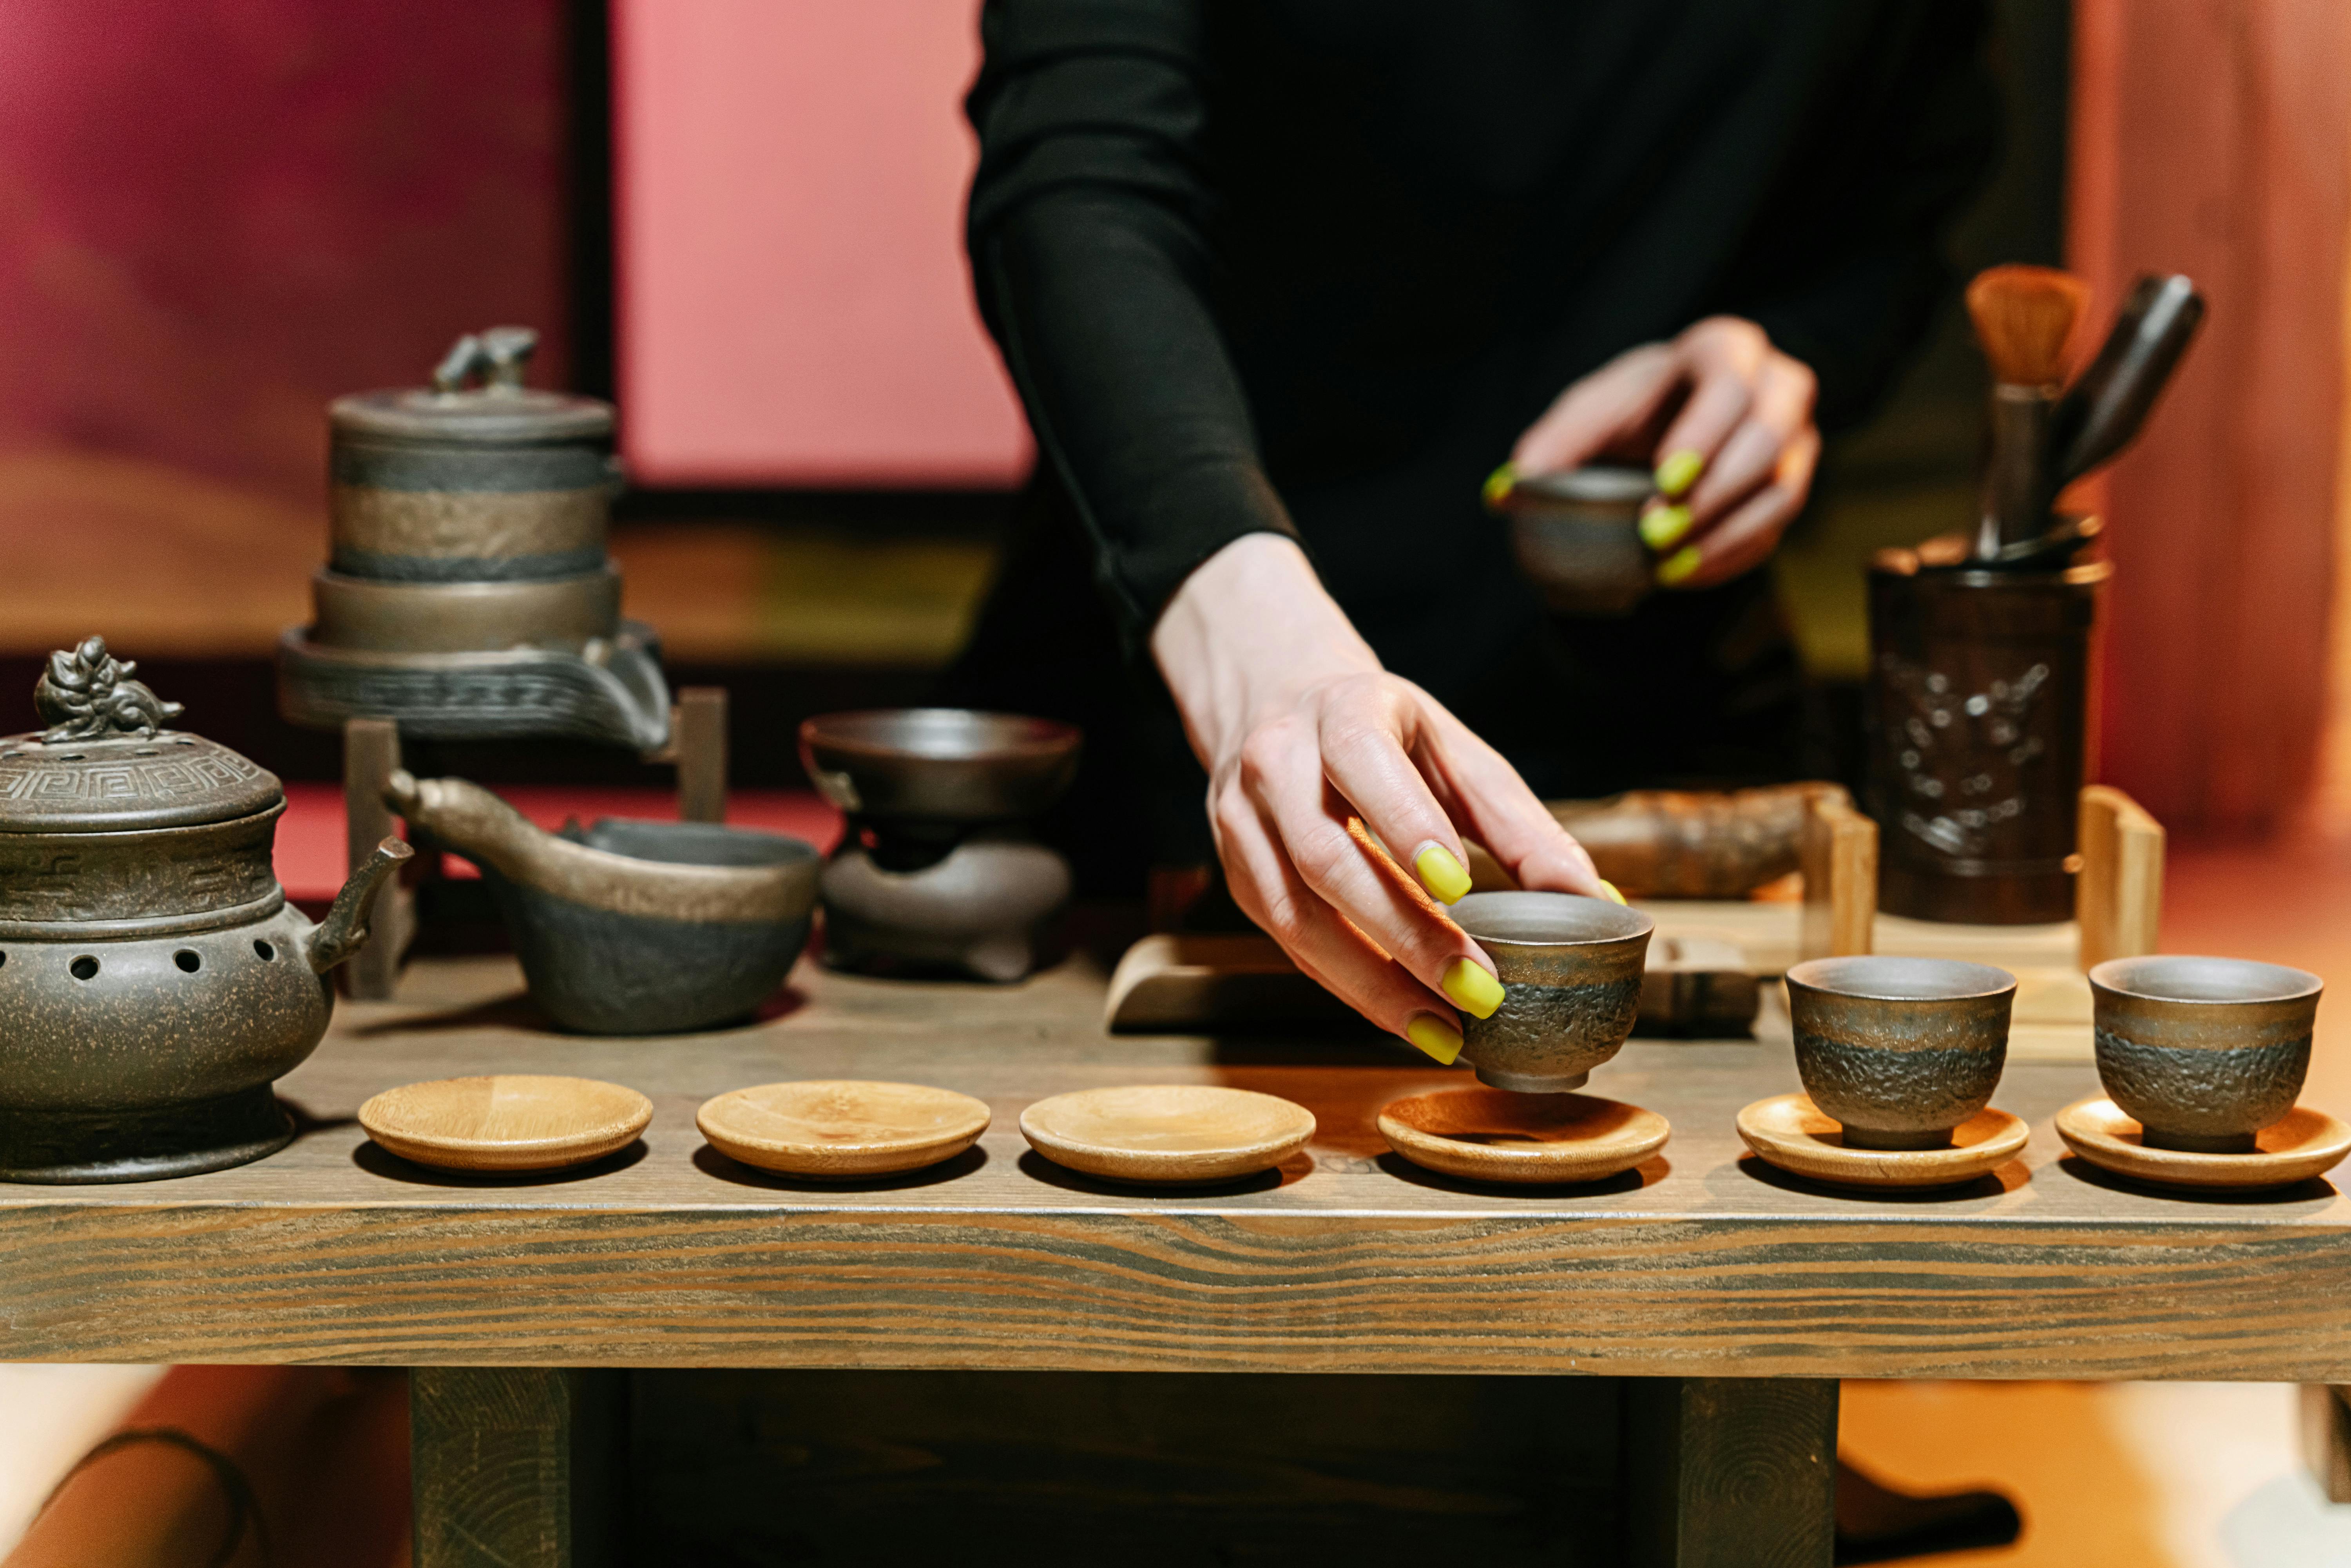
1724,418
1312,752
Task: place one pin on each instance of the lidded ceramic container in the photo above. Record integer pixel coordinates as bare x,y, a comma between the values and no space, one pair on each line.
460,483
468,592
153,981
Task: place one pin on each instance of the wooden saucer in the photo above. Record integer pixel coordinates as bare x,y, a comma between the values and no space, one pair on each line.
2301,1144
1492,1134
1168,1132
1791,1131
513,1121
841,1127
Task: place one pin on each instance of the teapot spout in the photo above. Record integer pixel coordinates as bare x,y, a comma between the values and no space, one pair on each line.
345,930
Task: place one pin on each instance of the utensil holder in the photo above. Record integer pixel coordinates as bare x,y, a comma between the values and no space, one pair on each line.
1976,719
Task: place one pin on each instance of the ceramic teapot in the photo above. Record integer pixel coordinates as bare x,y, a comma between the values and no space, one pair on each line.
153,980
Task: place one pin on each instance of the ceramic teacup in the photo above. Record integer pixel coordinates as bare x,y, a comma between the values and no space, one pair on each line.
1900,1050
1570,972
2202,1053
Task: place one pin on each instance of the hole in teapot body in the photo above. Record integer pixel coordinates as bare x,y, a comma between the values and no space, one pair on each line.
263,949
83,968
189,960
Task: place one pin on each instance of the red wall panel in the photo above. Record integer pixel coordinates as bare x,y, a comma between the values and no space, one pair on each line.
215,215
794,307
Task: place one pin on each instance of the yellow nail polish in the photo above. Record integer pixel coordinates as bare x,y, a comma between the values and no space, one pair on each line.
1610,889
1472,989
1499,484
1678,565
1662,528
1435,1036
1442,875
1679,472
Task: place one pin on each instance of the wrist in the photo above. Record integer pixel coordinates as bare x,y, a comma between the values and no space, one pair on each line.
1250,633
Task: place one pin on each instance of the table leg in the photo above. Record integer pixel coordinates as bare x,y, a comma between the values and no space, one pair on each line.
1731,1472
2326,1437
517,1467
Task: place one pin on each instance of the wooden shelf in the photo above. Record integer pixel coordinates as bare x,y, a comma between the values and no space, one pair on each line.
1702,1263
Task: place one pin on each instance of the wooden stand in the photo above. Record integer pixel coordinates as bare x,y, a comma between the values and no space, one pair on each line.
697,743
372,755
2119,894
1838,851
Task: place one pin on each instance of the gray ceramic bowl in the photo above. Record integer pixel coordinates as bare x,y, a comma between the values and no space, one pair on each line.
1900,1050
2202,1053
600,971
939,764
1571,971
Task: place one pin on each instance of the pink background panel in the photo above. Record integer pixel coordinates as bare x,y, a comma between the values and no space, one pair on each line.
794,305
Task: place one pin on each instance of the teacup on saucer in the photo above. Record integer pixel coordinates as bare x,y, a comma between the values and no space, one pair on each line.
1899,1051
2202,1053
1571,973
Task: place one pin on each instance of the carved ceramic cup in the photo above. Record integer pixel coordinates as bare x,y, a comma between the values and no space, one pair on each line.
1900,1050
2202,1053
1570,972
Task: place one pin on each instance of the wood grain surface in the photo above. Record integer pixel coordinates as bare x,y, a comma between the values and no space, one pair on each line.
1702,1262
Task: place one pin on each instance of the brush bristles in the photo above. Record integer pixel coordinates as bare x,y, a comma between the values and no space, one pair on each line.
2024,317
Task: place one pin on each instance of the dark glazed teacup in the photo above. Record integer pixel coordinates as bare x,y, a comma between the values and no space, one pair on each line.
1900,1050
2202,1053
1570,972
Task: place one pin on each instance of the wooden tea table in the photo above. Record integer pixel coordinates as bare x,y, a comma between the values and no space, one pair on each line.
1730,1299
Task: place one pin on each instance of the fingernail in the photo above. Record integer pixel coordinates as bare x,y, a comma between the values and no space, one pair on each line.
1610,889
1662,528
1500,483
1435,1036
1678,565
1679,472
1441,874
1472,989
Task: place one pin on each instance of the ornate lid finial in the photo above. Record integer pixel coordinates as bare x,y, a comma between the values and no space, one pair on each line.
87,694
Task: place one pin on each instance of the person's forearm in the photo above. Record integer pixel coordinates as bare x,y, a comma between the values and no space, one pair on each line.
1253,629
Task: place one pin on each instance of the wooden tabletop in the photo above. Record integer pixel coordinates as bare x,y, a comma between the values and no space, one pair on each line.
1703,1262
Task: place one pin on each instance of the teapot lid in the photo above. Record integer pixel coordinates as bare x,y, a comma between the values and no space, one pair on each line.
477,398
106,763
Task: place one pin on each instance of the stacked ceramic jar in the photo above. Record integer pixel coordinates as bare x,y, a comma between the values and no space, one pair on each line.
468,595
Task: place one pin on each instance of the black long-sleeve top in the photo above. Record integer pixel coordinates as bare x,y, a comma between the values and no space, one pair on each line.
1311,265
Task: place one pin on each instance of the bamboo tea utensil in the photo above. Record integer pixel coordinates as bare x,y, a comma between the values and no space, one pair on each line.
513,1121
2024,318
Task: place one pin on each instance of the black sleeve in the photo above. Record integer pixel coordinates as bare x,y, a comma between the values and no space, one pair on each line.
1087,238
1848,267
